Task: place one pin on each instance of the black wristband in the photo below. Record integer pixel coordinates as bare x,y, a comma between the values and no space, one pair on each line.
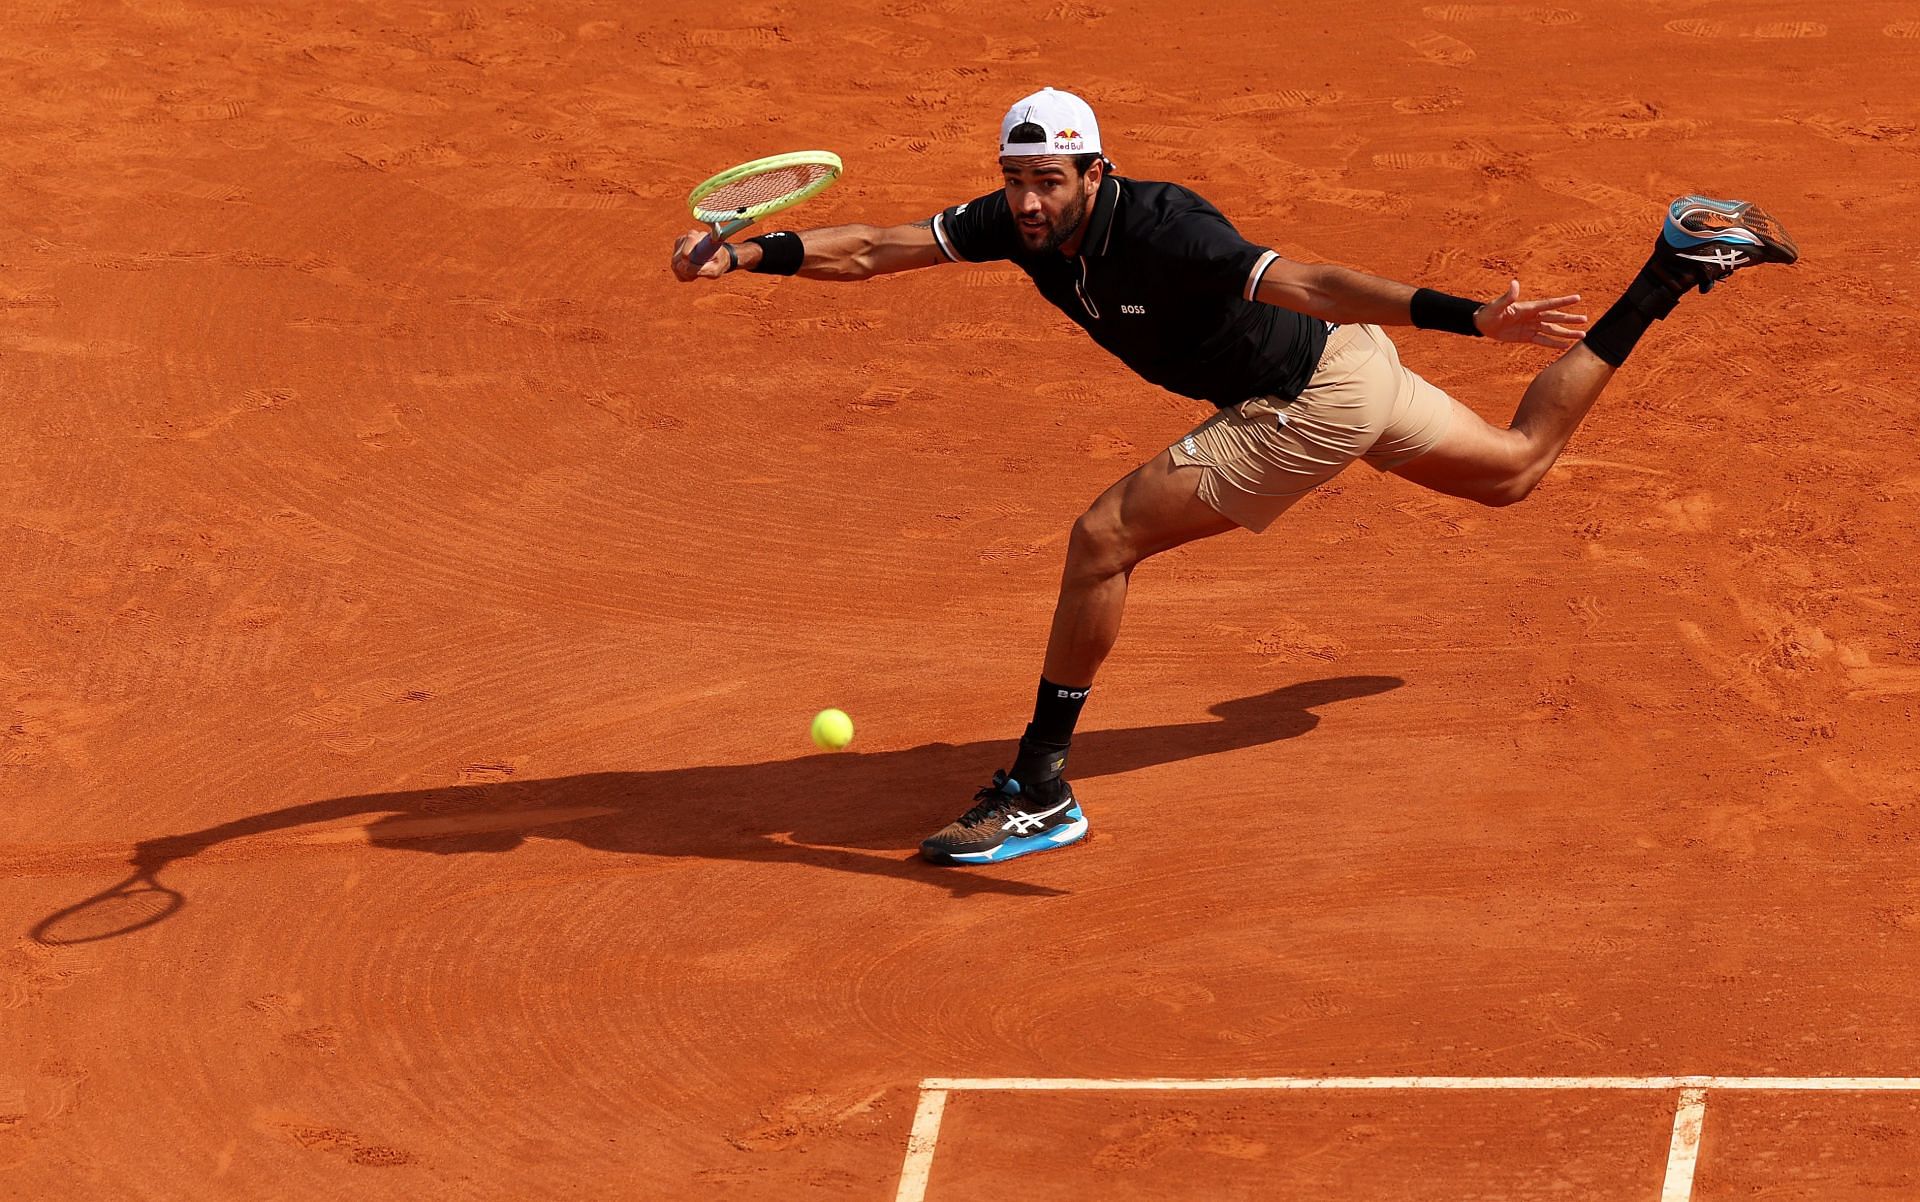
733,258
1438,311
780,253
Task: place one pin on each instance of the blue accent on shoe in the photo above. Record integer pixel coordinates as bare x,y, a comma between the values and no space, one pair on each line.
1679,236
1012,849
1705,240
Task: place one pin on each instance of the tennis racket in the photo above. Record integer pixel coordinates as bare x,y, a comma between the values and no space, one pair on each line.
739,196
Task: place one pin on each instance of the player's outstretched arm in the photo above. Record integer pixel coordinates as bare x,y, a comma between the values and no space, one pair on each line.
834,252
1340,294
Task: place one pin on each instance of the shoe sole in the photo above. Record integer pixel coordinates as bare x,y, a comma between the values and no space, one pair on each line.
1728,223
1013,849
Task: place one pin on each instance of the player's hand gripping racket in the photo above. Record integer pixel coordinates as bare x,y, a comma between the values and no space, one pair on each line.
739,196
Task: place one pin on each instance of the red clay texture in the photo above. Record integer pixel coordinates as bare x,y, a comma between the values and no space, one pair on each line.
416,601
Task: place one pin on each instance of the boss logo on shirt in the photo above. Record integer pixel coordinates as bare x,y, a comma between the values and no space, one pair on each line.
1181,269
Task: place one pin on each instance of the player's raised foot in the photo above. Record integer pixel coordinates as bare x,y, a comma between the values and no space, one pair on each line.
1007,822
1705,240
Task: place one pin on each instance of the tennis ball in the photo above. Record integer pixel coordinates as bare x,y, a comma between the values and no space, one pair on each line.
832,729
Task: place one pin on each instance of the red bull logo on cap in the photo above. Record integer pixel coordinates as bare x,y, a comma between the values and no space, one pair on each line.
1025,128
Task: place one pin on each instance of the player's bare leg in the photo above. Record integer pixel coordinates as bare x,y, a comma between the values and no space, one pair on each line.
1485,463
1155,508
1702,242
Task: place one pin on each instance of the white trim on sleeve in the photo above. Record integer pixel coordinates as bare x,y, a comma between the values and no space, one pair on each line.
940,239
1253,277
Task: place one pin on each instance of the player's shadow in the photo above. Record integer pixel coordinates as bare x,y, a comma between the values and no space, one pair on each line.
848,812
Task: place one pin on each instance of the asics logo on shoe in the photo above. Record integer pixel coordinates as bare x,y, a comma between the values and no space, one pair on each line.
1719,256
1022,823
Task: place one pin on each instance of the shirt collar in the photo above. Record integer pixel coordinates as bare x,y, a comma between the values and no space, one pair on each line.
1100,221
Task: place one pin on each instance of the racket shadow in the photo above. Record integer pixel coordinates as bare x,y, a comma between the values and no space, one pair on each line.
862,813
134,904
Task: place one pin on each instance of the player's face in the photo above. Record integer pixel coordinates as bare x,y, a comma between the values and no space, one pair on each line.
1049,198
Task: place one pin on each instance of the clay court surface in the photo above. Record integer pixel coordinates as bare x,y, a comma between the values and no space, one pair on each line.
431,595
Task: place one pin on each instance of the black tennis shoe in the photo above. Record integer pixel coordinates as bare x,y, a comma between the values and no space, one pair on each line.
1007,822
1705,240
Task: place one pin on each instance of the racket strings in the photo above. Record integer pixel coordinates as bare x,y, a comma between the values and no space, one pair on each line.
767,186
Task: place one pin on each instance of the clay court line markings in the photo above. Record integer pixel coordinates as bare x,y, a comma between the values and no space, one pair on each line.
1688,1119
1828,1084
926,1131
1682,1155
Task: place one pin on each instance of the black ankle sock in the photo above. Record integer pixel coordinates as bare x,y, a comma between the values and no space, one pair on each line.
1043,749
1652,295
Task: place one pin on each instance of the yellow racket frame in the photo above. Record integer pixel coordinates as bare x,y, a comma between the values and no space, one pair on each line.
725,223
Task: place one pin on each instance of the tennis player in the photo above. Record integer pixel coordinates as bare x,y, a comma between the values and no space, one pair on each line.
1293,354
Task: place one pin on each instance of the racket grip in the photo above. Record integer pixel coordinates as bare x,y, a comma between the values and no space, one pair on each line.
705,249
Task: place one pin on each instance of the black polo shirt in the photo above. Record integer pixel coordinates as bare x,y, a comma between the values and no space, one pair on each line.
1164,282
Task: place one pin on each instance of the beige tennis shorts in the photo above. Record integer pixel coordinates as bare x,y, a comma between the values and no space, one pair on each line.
1258,457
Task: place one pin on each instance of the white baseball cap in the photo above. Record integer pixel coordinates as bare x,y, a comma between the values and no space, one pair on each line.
1064,121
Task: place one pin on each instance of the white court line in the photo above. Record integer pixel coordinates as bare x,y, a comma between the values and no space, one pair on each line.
920,1144
1681,1157
1836,1084
1688,1119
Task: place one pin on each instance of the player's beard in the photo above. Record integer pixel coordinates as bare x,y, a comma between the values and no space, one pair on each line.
1065,227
